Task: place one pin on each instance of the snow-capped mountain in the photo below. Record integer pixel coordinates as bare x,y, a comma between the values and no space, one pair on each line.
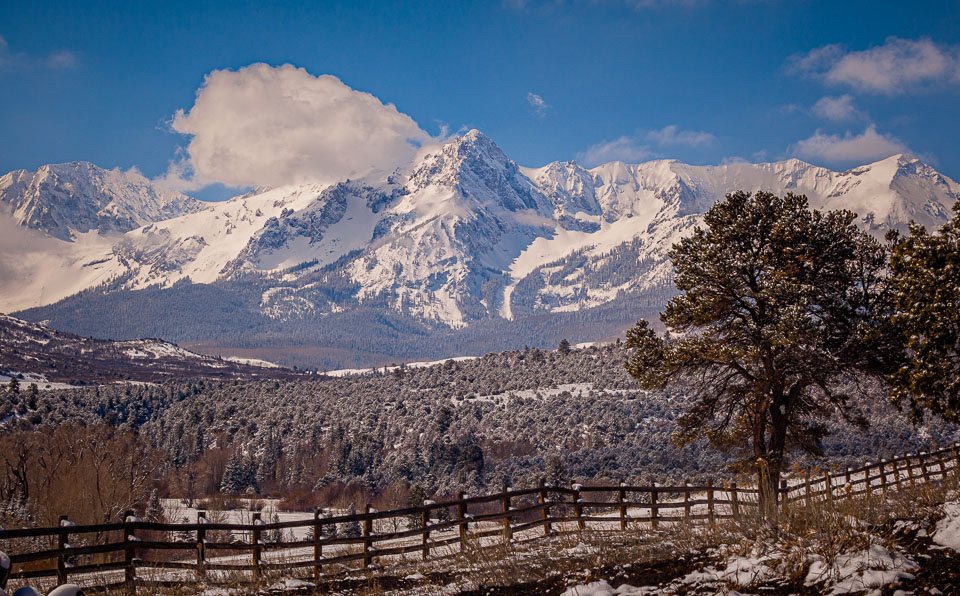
461,235
64,200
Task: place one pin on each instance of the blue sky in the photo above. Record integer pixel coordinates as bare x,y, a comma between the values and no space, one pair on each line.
835,83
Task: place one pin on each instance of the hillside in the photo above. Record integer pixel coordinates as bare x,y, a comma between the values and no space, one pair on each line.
36,353
460,425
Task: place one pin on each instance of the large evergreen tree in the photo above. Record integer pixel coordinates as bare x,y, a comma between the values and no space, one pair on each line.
926,274
779,306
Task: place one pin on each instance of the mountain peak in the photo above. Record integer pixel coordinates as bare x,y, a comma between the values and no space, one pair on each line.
474,134
476,144
66,199
466,162
466,228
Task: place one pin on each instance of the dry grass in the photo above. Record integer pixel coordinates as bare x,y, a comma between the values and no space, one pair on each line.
825,528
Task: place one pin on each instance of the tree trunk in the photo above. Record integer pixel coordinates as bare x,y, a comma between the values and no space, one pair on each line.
769,469
770,464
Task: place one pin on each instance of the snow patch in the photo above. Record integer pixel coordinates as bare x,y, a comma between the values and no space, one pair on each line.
947,532
872,568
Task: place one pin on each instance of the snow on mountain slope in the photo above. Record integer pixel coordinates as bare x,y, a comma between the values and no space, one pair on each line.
201,245
36,269
465,213
892,192
460,234
63,200
60,223
647,207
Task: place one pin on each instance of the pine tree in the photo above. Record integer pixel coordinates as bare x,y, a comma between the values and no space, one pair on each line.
351,529
198,444
926,276
555,474
184,535
417,497
779,306
564,347
233,476
329,530
154,510
275,535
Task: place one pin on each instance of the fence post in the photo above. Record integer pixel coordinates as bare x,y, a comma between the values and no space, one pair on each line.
621,497
784,491
255,537
913,481
425,537
201,543
846,479
367,530
545,512
577,507
654,510
462,516
710,512
806,483
942,465
828,486
686,500
923,467
956,456
883,476
129,551
505,503
734,500
896,471
62,544
317,544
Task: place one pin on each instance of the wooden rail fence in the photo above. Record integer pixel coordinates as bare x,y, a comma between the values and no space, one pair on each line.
506,514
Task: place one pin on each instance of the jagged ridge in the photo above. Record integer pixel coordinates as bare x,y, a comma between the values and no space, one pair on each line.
461,235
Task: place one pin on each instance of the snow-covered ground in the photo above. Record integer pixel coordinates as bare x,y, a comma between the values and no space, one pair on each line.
947,533
865,565
252,362
353,372
27,379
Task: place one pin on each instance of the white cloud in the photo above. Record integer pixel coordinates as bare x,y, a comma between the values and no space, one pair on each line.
815,61
897,66
672,135
538,104
61,59
638,148
849,148
624,149
265,126
837,109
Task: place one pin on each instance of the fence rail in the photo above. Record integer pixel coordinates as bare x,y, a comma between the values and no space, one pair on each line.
555,509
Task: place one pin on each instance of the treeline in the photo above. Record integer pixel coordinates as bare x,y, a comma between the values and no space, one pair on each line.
468,425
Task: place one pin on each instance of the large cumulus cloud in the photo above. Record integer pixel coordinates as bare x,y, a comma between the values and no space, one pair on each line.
265,126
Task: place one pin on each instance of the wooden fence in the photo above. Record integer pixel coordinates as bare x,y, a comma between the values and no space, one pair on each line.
434,530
